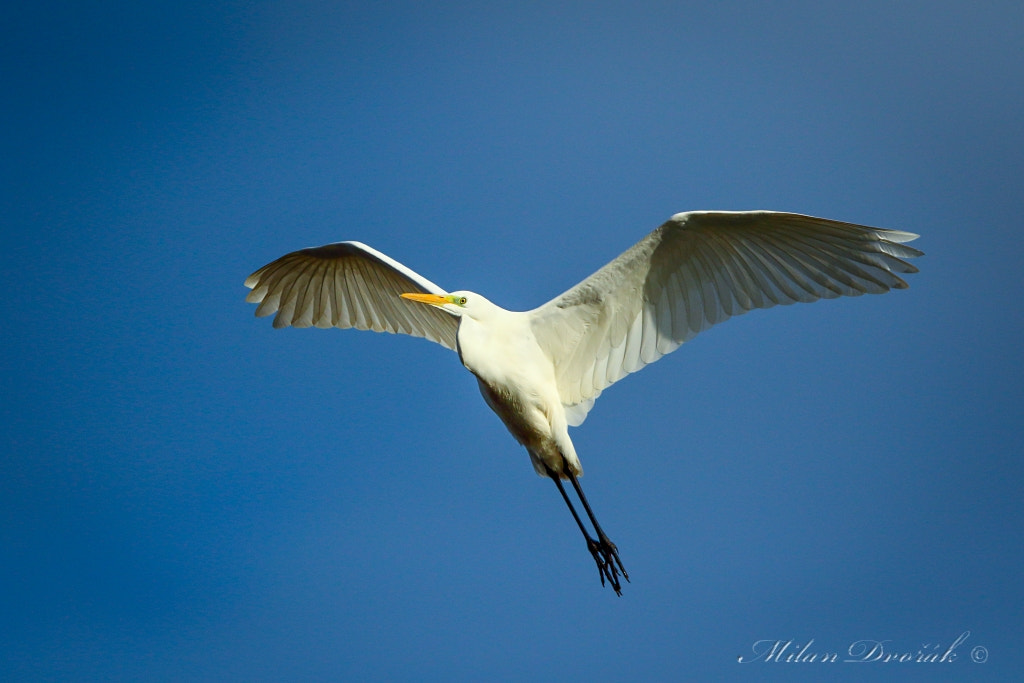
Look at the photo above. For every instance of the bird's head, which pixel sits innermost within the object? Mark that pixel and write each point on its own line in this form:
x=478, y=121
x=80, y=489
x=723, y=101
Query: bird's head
x=469, y=304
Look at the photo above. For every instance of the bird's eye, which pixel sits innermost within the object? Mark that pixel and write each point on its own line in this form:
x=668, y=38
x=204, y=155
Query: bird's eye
x=462, y=301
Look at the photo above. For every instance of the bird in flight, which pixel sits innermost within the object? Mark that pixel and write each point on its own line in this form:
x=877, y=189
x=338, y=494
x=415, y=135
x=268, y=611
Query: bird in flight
x=542, y=370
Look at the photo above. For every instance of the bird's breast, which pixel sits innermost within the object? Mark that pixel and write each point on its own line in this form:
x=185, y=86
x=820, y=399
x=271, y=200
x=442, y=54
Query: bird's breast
x=509, y=362
x=517, y=379
x=503, y=354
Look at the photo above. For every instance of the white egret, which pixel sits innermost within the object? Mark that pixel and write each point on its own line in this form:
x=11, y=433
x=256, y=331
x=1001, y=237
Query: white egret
x=542, y=370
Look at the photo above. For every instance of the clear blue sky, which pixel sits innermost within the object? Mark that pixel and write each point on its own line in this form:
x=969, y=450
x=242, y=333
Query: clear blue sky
x=186, y=493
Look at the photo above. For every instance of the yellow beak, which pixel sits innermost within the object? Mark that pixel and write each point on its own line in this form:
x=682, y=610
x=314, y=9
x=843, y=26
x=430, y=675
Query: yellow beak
x=432, y=299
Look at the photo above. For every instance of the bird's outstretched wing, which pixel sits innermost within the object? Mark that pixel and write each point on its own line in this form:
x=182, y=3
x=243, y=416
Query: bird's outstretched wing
x=697, y=270
x=348, y=284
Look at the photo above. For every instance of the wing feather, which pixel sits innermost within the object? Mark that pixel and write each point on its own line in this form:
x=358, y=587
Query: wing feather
x=348, y=284
x=700, y=269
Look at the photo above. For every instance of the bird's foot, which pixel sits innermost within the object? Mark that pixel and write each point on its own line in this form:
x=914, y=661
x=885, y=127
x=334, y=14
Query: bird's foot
x=609, y=566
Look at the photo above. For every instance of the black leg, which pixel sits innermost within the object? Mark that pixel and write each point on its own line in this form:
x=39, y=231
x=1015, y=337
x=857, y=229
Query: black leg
x=608, y=549
x=604, y=552
x=565, y=497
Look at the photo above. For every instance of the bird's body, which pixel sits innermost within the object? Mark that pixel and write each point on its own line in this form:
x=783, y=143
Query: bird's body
x=520, y=388
x=542, y=370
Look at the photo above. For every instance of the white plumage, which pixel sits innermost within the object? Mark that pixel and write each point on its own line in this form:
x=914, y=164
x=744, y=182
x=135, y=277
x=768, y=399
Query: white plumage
x=542, y=370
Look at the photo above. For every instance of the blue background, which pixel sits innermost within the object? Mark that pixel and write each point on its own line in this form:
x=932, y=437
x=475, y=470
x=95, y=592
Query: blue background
x=186, y=493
